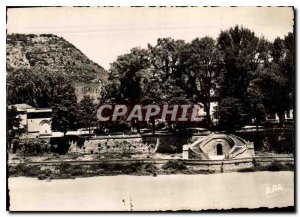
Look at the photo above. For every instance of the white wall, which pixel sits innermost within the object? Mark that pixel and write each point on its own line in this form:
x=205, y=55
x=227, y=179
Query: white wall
x=35, y=125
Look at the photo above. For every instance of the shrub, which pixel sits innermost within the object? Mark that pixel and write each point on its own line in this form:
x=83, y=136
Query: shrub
x=64, y=168
x=274, y=166
x=244, y=170
x=277, y=166
x=150, y=168
x=289, y=167
x=174, y=165
x=45, y=174
x=24, y=170
x=78, y=171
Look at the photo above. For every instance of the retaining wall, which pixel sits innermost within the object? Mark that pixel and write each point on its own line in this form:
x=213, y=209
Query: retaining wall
x=146, y=143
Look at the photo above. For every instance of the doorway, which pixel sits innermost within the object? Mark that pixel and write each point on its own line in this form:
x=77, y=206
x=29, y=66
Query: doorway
x=219, y=149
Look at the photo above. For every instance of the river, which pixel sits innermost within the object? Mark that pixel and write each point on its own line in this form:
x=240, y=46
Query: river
x=147, y=193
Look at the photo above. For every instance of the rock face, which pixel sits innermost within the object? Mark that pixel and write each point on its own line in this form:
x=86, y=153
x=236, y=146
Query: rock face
x=50, y=53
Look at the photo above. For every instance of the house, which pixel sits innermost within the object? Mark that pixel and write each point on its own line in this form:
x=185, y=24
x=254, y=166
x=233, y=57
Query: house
x=36, y=121
x=39, y=121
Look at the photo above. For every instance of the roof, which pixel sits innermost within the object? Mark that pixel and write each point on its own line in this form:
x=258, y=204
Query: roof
x=21, y=107
x=38, y=110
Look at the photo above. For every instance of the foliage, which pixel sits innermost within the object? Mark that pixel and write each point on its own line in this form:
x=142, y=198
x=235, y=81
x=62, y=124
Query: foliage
x=273, y=166
x=230, y=113
x=87, y=113
x=34, y=88
x=34, y=147
x=248, y=76
x=201, y=68
x=65, y=109
x=174, y=165
x=12, y=123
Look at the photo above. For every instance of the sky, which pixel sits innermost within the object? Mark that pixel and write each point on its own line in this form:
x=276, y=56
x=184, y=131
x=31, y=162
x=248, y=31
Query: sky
x=104, y=33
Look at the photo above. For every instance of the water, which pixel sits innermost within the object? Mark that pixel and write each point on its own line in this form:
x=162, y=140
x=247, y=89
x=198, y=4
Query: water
x=165, y=192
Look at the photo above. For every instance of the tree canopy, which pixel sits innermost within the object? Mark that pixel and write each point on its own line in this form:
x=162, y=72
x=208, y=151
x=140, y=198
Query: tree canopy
x=248, y=76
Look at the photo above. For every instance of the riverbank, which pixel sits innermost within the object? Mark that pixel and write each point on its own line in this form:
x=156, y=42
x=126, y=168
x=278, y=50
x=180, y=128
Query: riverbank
x=74, y=169
x=148, y=193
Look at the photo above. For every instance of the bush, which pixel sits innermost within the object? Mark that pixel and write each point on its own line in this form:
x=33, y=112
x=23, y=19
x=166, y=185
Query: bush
x=174, y=165
x=274, y=166
x=31, y=171
x=289, y=167
x=245, y=170
x=122, y=168
x=23, y=170
x=64, y=168
x=150, y=168
x=78, y=171
x=277, y=166
x=45, y=174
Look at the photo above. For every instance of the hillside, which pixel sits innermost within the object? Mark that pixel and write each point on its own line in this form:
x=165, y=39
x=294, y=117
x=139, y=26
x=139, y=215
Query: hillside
x=50, y=53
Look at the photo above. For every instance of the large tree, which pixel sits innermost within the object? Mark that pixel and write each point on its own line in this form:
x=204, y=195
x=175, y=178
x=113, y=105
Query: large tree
x=125, y=76
x=34, y=88
x=12, y=123
x=65, y=109
x=87, y=113
x=276, y=77
x=242, y=54
x=200, y=67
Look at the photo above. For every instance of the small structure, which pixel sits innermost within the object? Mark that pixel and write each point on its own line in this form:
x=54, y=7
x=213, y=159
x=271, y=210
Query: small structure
x=219, y=147
x=37, y=121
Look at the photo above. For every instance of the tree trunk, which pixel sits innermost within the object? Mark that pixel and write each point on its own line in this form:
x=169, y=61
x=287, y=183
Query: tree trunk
x=153, y=126
x=207, y=110
x=137, y=127
x=281, y=118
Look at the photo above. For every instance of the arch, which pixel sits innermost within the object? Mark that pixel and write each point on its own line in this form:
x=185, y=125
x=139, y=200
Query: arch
x=45, y=127
x=219, y=149
x=44, y=122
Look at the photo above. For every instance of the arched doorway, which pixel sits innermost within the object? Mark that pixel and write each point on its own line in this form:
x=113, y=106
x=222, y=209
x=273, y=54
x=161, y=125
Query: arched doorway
x=219, y=149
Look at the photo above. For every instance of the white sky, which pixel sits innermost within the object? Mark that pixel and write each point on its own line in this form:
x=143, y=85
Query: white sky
x=104, y=33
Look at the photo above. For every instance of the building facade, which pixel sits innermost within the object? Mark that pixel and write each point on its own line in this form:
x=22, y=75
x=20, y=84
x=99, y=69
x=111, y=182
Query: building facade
x=36, y=121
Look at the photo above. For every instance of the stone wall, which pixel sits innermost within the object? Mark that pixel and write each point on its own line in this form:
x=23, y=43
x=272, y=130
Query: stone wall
x=109, y=145
x=219, y=165
x=167, y=143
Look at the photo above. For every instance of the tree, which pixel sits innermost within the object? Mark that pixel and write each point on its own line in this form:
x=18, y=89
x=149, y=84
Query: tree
x=230, y=114
x=65, y=110
x=165, y=57
x=241, y=53
x=12, y=123
x=34, y=88
x=125, y=76
x=289, y=67
x=87, y=113
x=201, y=67
x=275, y=78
